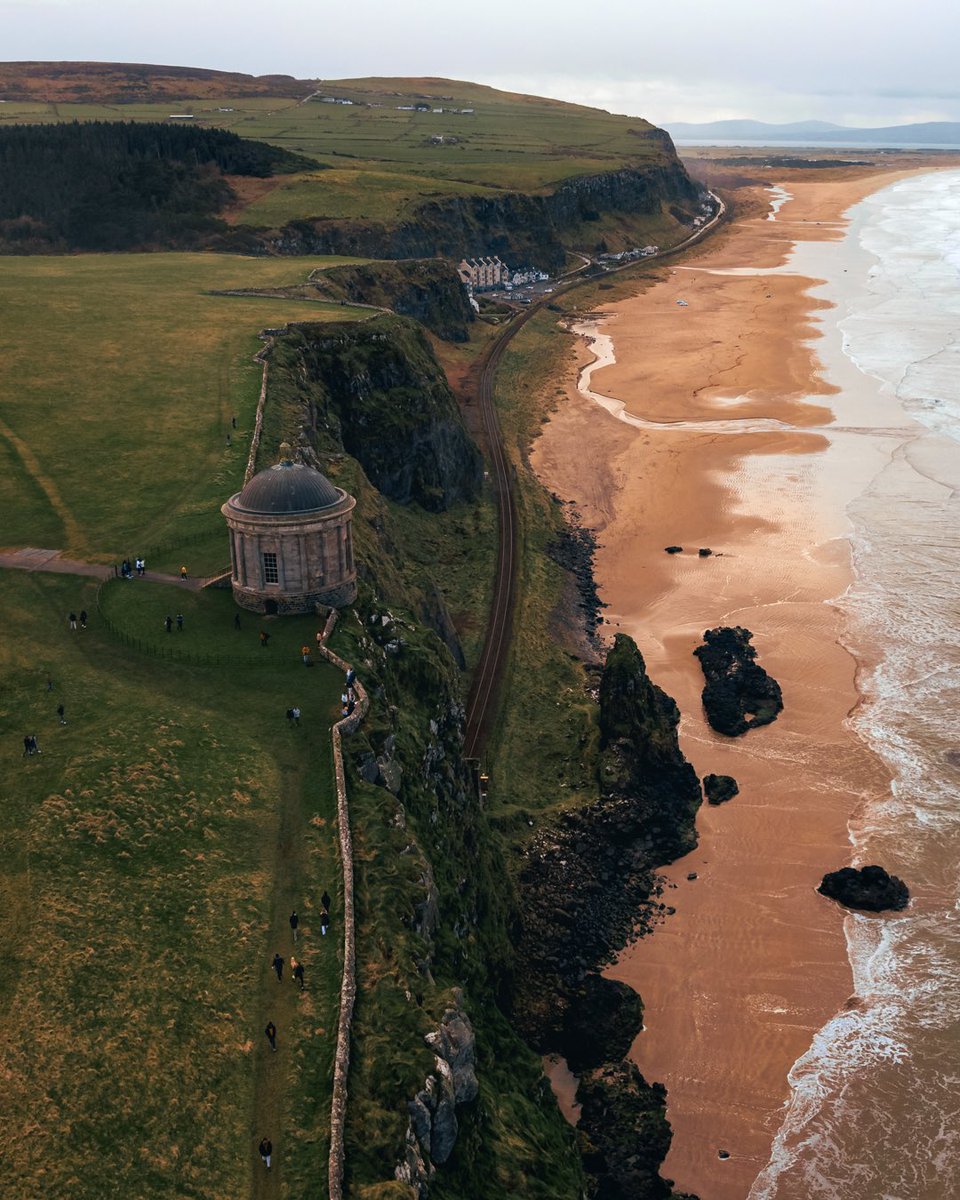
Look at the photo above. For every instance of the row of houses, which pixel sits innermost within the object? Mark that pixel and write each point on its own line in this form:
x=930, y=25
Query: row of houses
x=480, y=274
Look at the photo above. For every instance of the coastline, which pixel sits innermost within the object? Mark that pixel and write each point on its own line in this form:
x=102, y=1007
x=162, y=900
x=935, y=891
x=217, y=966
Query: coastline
x=727, y=980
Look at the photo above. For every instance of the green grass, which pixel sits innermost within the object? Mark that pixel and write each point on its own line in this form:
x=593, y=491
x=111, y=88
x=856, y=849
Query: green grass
x=121, y=375
x=509, y=142
x=149, y=857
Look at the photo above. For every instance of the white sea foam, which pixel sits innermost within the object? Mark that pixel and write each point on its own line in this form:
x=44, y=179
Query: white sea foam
x=874, y=1108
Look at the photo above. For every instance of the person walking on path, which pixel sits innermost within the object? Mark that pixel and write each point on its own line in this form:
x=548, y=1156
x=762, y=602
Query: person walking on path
x=278, y=967
x=60, y=714
x=298, y=972
x=168, y=623
x=266, y=1149
x=294, y=923
x=179, y=622
x=183, y=574
x=271, y=1032
x=296, y=714
x=325, y=901
x=324, y=923
x=73, y=620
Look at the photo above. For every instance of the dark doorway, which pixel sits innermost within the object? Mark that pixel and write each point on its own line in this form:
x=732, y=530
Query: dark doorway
x=270, y=607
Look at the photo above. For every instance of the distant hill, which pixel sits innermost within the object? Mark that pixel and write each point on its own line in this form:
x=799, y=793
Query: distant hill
x=127, y=83
x=938, y=132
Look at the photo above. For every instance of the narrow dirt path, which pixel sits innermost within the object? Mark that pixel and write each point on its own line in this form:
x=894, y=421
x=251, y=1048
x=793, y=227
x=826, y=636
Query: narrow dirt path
x=279, y=999
x=31, y=464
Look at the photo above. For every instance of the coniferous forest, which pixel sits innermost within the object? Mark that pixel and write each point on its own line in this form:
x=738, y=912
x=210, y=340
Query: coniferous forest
x=122, y=185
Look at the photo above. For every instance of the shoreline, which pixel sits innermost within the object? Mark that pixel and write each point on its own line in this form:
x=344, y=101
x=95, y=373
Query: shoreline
x=769, y=497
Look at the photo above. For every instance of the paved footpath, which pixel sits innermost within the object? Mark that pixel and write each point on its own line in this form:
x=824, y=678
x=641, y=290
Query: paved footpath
x=32, y=559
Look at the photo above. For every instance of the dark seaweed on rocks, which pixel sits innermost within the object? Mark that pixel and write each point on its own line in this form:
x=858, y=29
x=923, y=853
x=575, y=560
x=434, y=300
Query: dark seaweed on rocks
x=869, y=888
x=624, y=1134
x=573, y=549
x=739, y=694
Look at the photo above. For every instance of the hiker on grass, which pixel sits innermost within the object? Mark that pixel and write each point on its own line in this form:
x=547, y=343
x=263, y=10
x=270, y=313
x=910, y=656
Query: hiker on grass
x=325, y=901
x=168, y=623
x=179, y=622
x=277, y=965
x=266, y=1149
x=264, y=638
x=73, y=620
x=305, y=655
x=298, y=972
x=61, y=714
x=294, y=924
x=271, y=1032
x=324, y=923
x=183, y=574
x=296, y=714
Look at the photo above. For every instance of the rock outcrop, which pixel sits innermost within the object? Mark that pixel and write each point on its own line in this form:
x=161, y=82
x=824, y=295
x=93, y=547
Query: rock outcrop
x=719, y=788
x=739, y=694
x=429, y=291
x=433, y=1129
x=603, y=1017
x=869, y=888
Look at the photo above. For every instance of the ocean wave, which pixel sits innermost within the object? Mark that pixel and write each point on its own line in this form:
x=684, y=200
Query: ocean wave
x=874, y=1107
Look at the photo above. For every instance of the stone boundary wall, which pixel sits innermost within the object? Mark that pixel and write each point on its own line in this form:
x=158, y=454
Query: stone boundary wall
x=261, y=357
x=348, y=984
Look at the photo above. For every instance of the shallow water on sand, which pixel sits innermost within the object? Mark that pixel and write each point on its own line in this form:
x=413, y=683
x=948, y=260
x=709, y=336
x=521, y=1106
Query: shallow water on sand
x=875, y=1102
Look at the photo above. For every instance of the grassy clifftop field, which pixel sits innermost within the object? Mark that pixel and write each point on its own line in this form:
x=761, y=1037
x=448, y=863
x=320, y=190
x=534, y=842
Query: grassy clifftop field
x=380, y=156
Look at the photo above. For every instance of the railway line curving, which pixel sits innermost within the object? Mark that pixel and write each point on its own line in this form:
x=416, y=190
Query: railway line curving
x=484, y=693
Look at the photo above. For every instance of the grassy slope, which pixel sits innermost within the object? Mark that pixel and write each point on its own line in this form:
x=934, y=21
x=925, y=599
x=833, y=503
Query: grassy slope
x=121, y=376
x=142, y=855
x=510, y=141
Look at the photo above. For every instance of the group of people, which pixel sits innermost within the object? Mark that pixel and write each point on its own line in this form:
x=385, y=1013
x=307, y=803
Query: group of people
x=293, y=716
x=348, y=698
x=270, y=1030
x=72, y=619
x=139, y=565
x=168, y=623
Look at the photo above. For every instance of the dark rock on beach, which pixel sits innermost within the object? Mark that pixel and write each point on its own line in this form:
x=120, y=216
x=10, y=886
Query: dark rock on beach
x=673, y=549
x=719, y=788
x=704, y=551
x=869, y=888
x=739, y=694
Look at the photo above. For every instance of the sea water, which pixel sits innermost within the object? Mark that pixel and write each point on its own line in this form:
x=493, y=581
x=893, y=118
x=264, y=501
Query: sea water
x=874, y=1108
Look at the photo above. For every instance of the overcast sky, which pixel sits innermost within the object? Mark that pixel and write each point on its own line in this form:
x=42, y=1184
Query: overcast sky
x=886, y=62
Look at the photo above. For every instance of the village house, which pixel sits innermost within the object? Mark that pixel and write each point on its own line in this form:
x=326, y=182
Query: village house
x=482, y=273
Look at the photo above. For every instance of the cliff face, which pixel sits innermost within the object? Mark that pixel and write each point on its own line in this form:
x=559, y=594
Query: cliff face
x=521, y=229
x=376, y=388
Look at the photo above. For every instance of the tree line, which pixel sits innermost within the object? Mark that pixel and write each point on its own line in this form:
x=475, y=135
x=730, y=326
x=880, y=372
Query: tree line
x=121, y=185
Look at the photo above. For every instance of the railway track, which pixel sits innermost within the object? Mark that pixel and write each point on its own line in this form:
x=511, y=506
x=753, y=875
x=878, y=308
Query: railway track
x=484, y=691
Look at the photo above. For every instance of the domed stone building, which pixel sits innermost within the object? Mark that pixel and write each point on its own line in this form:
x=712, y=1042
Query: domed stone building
x=291, y=545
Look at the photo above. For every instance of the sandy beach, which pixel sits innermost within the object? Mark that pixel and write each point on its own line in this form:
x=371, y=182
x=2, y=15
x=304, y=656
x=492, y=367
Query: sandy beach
x=733, y=452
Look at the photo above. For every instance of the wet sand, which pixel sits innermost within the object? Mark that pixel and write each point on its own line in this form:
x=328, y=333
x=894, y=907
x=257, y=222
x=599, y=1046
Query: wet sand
x=753, y=961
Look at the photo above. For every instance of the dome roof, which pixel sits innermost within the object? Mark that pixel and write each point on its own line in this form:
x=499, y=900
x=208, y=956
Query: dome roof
x=288, y=487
